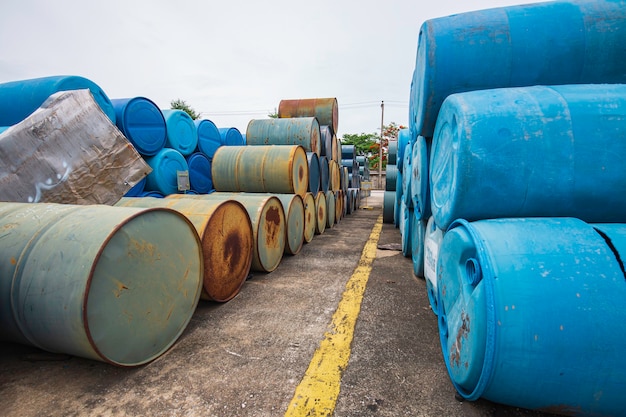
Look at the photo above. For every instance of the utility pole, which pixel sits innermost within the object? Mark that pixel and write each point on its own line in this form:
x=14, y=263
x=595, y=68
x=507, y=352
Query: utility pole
x=380, y=148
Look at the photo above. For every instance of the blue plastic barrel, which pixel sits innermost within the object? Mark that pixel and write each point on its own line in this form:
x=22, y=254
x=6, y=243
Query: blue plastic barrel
x=142, y=122
x=182, y=134
x=324, y=174
x=199, y=173
x=418, y=235
x=407, y=175
x=558, y=42
x=531, y=152
x=165, y=166
x=420, y=184
x=404, y=136
x=303, y=131
x=18, y=99
x=433, y=236
x=314, y=172
x=137, y=189
x=209, y=138
x=231, y=136
x=531, y=314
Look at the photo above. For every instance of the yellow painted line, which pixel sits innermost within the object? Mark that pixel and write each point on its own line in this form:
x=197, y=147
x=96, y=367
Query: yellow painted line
x=317, y=393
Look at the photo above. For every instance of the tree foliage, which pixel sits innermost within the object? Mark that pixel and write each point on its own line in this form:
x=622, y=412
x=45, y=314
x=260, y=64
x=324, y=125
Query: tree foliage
x=179, y=104
x=273, y=115
x=368, y=144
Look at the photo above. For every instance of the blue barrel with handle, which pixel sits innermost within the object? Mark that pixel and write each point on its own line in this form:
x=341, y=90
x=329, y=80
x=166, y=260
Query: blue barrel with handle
x=165, y=168
x=531, y=314
x=18, y=99
x=209, y=138
x=556, y=42
x=142, y=122
x=531, y=152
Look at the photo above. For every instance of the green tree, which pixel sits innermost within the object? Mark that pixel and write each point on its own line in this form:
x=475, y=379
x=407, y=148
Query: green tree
x=179, y=104
x=273, y=115
x=368, y=144
x=362, y=142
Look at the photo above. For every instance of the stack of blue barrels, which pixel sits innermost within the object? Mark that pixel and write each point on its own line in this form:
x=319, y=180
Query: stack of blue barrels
x=515, y=192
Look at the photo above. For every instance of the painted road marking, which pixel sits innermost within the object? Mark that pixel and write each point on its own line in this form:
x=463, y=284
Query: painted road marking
x=317, y=393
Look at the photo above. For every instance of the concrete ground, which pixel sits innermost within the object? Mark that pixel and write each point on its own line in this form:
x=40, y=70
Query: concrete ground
x=248, y=356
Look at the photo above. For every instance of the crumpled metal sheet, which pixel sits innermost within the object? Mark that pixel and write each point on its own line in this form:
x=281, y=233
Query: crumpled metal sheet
x=68, y=151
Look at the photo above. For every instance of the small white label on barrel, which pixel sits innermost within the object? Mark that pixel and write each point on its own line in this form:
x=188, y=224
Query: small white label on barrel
x=431, y=253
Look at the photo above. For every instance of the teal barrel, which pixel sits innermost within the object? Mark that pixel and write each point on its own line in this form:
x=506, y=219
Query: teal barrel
x=314, y=172
x=348, y=152
x=231, y=136
x=269, y=169
x=433, y=236
x=547, y=43
x=391, y=175
x=418, y=240
x=293, y=207
x=420, y=179
x=531, y=152
x=310, y=217
x=399, y=195
x=18, y=99
x=406, y=226
x=165, y=166
x=324, y=174
x=303, y=131
x=142, y=122
x=389, y=207
x=225, y=233
x=182, y=133
x=531, y=314
x=113, y=284
x=325, y=110
x=331, y=209
x=321, y=209
x=199, y=173
x=392, y=152
x=209, y=138
x=268, y=225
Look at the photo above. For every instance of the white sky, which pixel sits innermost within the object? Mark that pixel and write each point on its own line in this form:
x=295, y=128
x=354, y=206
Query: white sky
x=231, y=60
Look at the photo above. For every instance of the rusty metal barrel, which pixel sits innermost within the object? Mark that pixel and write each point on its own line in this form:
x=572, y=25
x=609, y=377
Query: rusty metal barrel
x=303, y=131
x=280, y=169
x=310, y=219
x=113, y=284
x=334, y=175
x=321, y=209
x=293, y=207
x=326, y=110
x=225, y=231
x=268, y=225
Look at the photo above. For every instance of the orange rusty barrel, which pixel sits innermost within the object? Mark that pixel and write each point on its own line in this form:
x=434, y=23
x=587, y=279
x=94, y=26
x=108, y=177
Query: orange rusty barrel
x=281, y=169
x=310, y=219
x=326, y=110
x=268, y=225
x=225, y=231
x=321, y=209
x=113, y=284
x=334, y=173
x=338, y=206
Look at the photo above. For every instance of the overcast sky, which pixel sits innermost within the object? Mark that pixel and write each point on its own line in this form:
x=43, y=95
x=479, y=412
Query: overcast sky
x=230, y=60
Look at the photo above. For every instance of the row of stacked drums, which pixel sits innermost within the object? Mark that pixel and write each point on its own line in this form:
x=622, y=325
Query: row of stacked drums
x=509, y=204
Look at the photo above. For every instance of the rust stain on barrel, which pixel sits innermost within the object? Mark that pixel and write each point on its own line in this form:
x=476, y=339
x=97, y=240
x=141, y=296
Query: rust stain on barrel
x=272, y=218
x=301, y=173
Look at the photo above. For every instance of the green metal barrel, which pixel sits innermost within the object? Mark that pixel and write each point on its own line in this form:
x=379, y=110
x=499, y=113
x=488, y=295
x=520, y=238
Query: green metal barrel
x=281, y=169
x=310, y=219
x=320, y=209
x=330, y=209
x=293, y=206
x=225, y=231
x=303, y=131
x=326, y=110
x=113, y=284
x=268, y=225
